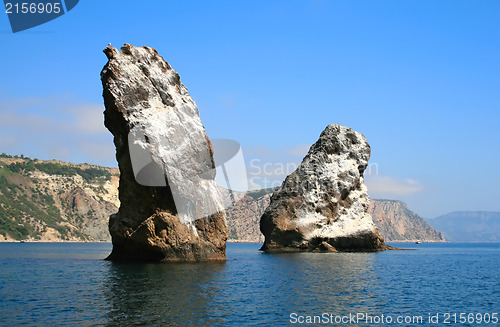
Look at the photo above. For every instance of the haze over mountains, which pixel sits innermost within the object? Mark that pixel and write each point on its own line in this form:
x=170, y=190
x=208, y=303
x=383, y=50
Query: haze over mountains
x=55, y=200
x=469, y=226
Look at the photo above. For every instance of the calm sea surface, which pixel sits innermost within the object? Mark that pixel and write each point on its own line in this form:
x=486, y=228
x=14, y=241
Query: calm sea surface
x=70, y=284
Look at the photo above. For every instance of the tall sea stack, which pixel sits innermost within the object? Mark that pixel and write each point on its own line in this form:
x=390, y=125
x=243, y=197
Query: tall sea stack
x=323, y=204
x=170, y=207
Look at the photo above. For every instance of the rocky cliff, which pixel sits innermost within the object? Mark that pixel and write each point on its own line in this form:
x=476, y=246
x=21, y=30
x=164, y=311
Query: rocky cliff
x=243, y=217
x=51, y=201
x=170, y=207
x=323, y=204
x=55, y=200
x=398, y=223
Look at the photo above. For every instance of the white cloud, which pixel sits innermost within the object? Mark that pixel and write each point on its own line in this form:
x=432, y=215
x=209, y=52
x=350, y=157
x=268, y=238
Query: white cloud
x=25, y=121
x=89, y=118
x=86, y=118
x=103, y=151
x=58, y=152
x=268, y=167
x=382, y=186
x=55, y=128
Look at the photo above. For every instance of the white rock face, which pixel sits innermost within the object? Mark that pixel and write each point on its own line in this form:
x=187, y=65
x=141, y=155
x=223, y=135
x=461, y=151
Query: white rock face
x=166, y=133
x=170, y=203
x=324, y=199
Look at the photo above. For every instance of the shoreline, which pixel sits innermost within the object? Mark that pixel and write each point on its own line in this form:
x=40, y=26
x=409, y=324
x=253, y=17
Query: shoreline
x=228, y=241
x=243, y=241
x=53, y=241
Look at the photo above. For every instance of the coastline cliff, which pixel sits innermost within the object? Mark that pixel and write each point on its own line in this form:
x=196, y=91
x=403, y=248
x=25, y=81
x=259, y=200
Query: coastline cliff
x=397, y=223
x=54, y=203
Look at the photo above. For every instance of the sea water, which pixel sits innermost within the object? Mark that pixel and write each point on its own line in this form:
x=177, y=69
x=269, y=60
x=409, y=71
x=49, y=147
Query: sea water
x=69, y=284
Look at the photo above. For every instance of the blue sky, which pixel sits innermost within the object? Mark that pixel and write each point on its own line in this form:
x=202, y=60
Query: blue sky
x=420, y=79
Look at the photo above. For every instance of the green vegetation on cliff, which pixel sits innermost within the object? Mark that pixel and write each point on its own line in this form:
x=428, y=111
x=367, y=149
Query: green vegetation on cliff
x=19, y=203
x=7, y=210
x=88, y=174
x=49, y=201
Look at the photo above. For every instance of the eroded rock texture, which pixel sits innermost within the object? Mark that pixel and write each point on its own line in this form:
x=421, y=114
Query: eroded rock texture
x=323, y=204
x=174, y=212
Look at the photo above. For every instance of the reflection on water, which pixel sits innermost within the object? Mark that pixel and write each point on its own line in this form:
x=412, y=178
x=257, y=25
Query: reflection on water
x=153, y=293
x=337, y=283
x=251, y=287
x=70, y=285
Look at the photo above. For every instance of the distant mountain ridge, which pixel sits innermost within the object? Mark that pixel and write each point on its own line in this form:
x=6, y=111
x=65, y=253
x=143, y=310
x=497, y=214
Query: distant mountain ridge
x=469, y=226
